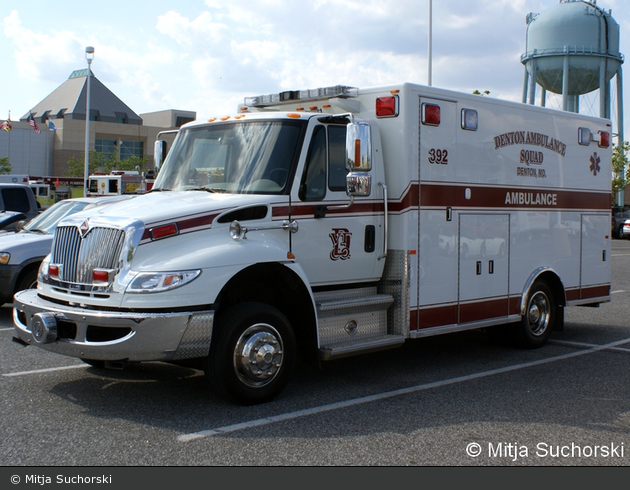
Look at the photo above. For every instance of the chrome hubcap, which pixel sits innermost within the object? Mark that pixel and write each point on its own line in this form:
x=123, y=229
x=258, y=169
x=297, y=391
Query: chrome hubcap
x=539, y=312
x=258, y=355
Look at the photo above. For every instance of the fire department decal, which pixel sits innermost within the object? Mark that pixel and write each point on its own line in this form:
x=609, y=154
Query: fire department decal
x=341, y=243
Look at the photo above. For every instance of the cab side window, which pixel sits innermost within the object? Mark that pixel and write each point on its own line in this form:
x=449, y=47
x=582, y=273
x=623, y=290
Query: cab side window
x=337, y=158
x=313, y=185
x=325, y=163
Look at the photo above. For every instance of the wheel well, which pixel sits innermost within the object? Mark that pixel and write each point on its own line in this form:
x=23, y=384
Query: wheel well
x=279, y=286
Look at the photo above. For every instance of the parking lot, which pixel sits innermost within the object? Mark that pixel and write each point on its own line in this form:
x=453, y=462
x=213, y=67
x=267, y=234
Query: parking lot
x=456, y=400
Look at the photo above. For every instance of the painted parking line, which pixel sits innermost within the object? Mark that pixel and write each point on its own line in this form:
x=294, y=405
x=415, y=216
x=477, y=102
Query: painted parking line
x=48, y=370
x=388, y=394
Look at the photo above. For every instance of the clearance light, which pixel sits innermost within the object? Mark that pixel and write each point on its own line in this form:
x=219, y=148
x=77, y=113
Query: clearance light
x=431, y=114
x=157, y=282
x=604, y=139
x=164, y=231
x=387, y=106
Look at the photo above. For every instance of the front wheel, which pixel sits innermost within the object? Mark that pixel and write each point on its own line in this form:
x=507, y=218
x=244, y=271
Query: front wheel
x=252, y=355
x=540, y=313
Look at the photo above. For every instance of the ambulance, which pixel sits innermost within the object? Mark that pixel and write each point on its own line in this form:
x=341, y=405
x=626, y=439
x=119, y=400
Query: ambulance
x=117, y=183
x=330, y=222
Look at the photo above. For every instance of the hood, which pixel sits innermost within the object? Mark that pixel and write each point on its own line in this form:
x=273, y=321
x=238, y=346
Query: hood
x=160, y=207
x=23, y=240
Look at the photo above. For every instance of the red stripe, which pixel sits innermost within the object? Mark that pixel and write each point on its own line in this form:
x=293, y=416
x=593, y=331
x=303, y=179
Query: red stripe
x=435, y=195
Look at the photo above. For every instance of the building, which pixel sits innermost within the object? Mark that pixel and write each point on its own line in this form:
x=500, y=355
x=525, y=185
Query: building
x=60, y=120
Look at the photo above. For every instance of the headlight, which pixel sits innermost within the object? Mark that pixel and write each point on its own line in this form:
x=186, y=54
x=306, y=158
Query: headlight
x=4, y=258
x=157, y=282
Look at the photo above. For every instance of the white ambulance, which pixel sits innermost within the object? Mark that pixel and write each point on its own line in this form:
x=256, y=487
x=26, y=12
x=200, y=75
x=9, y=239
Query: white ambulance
x=331, y=222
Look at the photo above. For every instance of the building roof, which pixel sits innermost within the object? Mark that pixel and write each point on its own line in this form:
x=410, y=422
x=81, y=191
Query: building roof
x=69, y=100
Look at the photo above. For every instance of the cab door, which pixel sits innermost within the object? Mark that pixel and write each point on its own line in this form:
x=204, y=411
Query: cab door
x=336, y=242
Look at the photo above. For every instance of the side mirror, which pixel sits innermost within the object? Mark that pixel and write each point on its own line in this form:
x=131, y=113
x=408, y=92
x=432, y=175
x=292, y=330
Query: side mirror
x=159, y=153
x=358, y=159
x=358, y=147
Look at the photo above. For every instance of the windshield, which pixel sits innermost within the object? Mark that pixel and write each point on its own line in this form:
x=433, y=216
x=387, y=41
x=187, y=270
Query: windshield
x=46, y=222
x=253, y=157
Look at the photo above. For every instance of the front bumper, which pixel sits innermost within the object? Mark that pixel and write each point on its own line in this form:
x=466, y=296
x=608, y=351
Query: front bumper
x=111, y=335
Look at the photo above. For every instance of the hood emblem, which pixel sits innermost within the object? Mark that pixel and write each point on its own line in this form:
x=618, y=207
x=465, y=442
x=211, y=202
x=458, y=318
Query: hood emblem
x=84, y=228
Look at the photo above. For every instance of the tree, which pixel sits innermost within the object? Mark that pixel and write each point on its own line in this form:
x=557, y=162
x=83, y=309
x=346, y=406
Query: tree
x=5, y=166
x=100, y=162
x=620, y=168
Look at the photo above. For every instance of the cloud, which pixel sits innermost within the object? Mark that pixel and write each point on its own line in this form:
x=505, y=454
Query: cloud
x=34, y=51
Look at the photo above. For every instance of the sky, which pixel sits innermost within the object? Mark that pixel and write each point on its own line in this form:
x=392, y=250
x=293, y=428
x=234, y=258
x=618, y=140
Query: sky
x=207, y=55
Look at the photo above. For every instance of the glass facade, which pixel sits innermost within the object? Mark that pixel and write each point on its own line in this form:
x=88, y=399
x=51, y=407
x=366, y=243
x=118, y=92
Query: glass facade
x=127, y=148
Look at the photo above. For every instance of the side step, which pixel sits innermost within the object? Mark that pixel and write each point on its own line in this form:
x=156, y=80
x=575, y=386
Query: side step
x=353, y=321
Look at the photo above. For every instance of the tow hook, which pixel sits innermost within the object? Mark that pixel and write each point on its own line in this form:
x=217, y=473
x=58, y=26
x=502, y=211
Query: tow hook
x=44, y=327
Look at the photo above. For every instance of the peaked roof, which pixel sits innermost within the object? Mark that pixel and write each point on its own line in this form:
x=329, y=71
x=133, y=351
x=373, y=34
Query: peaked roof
x=69, y=100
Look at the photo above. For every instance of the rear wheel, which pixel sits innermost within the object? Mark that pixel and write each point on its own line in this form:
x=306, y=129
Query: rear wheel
x=536, y=325
x=252, y=355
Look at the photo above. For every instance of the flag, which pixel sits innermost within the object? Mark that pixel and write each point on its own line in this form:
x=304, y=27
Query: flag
x=33, y=123
x=6, y=125
x=51, y=125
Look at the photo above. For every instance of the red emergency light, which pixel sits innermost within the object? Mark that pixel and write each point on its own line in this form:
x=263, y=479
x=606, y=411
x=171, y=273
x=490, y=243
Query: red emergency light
x=431, y=114
x=387, y=106
x=604, y=139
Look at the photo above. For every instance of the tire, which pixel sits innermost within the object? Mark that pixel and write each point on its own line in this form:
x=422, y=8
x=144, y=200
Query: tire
x=27, y=281
x=535, y=327
x=252, y=355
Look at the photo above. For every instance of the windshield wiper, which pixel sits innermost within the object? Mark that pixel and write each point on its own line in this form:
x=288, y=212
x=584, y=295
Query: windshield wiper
x=207, y=189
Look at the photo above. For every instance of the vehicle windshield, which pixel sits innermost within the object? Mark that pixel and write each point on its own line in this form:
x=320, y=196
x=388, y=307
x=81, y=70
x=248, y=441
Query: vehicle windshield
x=46, y=222
x=253, y=157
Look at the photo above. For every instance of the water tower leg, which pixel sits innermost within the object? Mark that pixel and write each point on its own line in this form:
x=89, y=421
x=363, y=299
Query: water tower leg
x=604, y=98
x=525, y=84
x=565, y=83
x=532, y=84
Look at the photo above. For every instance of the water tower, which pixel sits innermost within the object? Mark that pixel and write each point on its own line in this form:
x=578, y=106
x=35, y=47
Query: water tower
x=573, y=49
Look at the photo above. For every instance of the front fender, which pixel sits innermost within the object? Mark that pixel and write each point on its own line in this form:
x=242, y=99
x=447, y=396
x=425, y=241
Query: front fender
x=214, y=253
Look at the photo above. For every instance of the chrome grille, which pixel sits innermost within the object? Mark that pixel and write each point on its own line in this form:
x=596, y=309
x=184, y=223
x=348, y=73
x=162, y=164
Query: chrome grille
x=99, y=248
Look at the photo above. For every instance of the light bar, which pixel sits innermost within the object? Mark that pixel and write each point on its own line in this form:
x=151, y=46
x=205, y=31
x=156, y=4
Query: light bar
x=302, y=95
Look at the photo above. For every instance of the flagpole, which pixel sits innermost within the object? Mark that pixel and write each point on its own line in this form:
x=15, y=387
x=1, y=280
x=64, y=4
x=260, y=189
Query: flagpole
x=430, y=45
x=89, y=56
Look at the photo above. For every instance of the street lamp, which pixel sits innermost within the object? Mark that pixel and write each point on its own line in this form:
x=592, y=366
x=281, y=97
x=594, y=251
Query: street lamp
x=89, y=56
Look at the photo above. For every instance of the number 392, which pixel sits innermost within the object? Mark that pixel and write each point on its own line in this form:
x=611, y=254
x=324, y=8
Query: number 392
x=439, y=157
